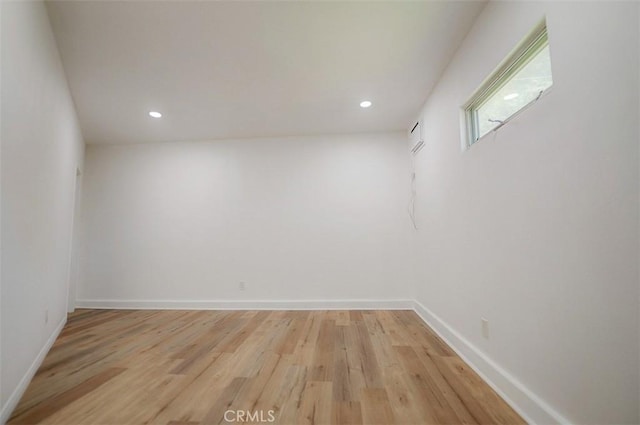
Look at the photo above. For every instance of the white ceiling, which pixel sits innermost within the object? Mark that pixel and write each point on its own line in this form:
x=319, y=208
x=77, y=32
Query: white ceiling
x=251, y=69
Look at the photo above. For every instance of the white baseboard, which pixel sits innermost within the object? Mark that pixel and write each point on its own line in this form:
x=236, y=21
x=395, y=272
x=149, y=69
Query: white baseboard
x=248, y=305
x=15, y=397
x=532, y=408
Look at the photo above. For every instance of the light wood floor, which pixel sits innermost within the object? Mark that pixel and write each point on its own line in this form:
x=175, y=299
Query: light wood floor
x=307, y=367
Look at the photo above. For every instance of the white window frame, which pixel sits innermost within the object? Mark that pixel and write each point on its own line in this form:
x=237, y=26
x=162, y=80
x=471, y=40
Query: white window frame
x=526, y=50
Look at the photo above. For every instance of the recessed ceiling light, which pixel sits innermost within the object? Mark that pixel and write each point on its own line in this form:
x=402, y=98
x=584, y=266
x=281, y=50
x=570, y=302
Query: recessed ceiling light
x=511, y=96
x=155, y=114
x=365, y=104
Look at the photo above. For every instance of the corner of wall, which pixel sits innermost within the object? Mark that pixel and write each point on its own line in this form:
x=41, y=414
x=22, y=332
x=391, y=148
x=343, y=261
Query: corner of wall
x=532, y=408
x=14, y=398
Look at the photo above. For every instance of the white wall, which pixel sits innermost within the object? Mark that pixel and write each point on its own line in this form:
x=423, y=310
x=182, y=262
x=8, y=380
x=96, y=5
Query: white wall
x=309, y=218
x=536, y=226
x=41, y=148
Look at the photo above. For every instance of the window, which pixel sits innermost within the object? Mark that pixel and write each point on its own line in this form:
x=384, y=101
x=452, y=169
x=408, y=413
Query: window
x=522, y=78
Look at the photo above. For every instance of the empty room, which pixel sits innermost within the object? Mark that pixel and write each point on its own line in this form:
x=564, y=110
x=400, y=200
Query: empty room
x=319, y=212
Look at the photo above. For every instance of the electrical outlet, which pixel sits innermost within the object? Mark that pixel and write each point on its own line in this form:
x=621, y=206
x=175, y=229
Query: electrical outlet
x=242, y=286
x=46, y=316
x=485, y=328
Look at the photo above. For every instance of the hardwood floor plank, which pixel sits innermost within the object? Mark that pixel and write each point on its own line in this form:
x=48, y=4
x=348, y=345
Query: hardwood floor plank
x=480, y=400
x=322, y=367
x=376, y=408
x=302, y=367
x=231, y=345
x=284, y=395
x=210, y=341
x=405, y=401
x=316, y=402
x=394, y=331
x=381, y=344
x=347, y=413
x=193, y=400
x=423, y=335
x=368, y=360
x=427, y=389
x=216, y=413
x=347, y=381
x=306, y=346
x=355, y=315
x=449, y=394
x=343, y=318
x=50, y=406
x=273, y=367
x=294, y=331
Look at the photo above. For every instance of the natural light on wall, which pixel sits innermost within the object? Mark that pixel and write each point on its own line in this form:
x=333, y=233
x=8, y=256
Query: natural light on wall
x=520, y=81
